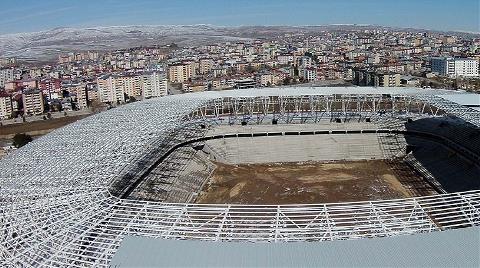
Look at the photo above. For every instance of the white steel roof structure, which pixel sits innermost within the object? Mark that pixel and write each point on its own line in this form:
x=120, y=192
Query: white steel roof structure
x=56, y=208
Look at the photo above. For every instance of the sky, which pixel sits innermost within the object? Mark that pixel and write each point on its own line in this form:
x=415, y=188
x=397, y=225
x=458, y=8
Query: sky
x=36, y=15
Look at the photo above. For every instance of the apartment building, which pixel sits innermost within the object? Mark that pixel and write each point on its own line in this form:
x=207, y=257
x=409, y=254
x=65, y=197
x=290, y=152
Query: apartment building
x=267, y=80
x=309, y=74
x=33, y=102
x=387, y=80
x=6, y=109
x=17, y=85
x=180, y=72
x=375, y=79
x=154, y=84
x=80, y=91
x=285, y=59
x=110, y=89
x=132, y=84
x=114, y=88
x=51, y=88
x=453, y=67
x=466, y=67
x=6, y=75
x=205, y=65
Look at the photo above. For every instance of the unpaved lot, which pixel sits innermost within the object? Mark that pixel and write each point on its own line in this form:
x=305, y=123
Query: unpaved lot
x=37, y=127
x=311, y=182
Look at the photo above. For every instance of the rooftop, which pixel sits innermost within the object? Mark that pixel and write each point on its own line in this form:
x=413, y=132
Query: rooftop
x=452, y=248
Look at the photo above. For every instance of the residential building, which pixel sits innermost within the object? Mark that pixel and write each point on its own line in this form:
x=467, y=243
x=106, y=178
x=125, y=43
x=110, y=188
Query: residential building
x=132, y=84
x=17, y=85
x=80, y=92
x=387, y=80
x=453, y=67
x=205, y=66
x=6, y=75
x=267, y=80
x=6, y=109
x=154, y=85
x=180, y=72
x=309, y=74
x=51, y=88
x=466, y=67
x=110, y=89
x=244, y=83
x=375, y=79
x=114, y=88
x=33, y=102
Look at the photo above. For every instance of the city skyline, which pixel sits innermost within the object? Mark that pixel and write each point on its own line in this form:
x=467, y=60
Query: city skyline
x=37, y=16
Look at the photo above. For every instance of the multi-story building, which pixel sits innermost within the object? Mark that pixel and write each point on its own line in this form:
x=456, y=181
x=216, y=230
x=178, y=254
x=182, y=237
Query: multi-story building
x=110, y=89
x=218, y=72
x=6, y=109
x=6, y=75
x=244, y=83
x=114, y=88
x=51, y=88
x=205, y=65
x=266, y=80
x=92, y=95
x=309, y=74
x=375, y=79
x=466, y=67
x=17, y=85
x=32, y=102
x=132, y=84
x=443, y=66
x=180, y=72
x=363, y=77
x=387, y=80
x=80, y=91
x=154, y=85
x=285, y=59
x=453, y=67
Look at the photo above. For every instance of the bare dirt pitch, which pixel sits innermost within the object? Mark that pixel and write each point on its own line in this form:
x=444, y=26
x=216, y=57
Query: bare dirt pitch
x=311, y=182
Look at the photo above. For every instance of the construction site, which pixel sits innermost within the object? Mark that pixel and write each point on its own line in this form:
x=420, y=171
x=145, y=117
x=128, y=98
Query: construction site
x=325, y=162
x=260, y=157
x=256, y=165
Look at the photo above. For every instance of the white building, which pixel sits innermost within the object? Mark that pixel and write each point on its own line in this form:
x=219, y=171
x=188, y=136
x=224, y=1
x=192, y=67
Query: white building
x=452, y=67
x=154, y=85
x=309, y=74
x=6, y=75
x=6, y=109
x=266, y=80
x=285, y=59
x=113, y=88
x=466, y=67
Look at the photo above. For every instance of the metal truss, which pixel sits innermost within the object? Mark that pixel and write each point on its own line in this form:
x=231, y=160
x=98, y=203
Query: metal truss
x=60, y=195
x=466, y=113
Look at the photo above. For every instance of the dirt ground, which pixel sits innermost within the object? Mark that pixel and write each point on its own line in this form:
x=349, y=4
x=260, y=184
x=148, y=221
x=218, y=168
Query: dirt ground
x=38, y=127
x=312, y=182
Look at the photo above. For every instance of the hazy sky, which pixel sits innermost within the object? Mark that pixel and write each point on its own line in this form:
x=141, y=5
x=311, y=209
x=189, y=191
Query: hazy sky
x=35, y=15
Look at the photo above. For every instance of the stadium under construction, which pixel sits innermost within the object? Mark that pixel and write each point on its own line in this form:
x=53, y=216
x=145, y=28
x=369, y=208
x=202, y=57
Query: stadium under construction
x=274, y=165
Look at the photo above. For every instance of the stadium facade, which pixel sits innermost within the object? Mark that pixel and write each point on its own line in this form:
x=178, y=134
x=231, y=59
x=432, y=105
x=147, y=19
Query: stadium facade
x=64, y=197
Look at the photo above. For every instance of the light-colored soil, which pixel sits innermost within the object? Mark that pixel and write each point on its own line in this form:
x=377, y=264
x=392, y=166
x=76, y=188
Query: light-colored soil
x=311, y=182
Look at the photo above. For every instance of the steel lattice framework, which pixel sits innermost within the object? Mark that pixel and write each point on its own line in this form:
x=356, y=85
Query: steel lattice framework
x=57, y=207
